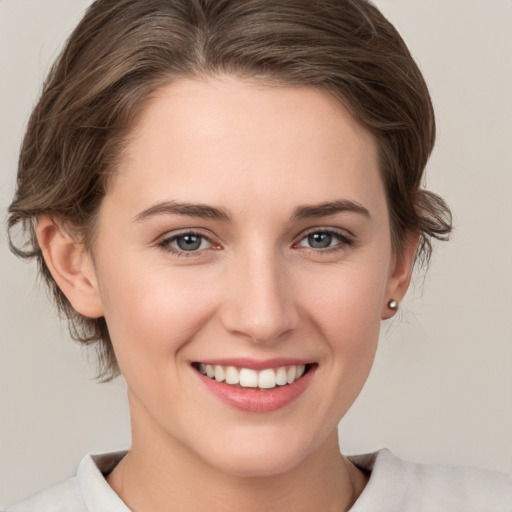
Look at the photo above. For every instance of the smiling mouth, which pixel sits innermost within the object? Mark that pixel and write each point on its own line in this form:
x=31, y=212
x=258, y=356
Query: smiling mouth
x=268, y=378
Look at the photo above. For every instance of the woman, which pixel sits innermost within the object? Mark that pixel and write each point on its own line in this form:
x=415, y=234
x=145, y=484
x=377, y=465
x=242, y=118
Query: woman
x=225, y=198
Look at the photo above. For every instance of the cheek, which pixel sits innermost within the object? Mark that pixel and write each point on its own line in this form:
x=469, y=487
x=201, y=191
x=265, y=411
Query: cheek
x=349, y=299
x=152, y=312
x=345, y=307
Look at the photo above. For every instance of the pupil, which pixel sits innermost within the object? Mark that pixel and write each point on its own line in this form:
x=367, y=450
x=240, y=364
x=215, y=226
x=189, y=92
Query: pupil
x=320, y=240
x=189, y=242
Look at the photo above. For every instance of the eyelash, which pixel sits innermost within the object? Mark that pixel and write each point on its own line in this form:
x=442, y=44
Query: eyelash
x=343, y=242
x=166, y=244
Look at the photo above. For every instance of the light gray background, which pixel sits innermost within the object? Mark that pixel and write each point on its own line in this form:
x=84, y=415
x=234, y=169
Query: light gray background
x=441, y=387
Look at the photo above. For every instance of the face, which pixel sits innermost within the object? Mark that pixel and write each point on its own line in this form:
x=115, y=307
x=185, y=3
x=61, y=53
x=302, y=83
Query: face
x=246, y=235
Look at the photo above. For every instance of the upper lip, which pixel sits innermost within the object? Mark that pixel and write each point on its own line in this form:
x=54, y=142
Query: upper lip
x=256, y=364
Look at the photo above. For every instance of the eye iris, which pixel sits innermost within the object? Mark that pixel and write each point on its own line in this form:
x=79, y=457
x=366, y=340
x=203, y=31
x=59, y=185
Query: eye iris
x=320, y=240
x=189, y=242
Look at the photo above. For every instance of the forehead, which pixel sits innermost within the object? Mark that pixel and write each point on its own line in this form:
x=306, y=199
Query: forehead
x=223, y=139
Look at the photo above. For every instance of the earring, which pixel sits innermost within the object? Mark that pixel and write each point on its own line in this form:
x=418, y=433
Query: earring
x=393, y=304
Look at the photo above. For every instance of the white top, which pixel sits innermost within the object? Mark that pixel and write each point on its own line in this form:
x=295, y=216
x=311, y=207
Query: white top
x=394, y=486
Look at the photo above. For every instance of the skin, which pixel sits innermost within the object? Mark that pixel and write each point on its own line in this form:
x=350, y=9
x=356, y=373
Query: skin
x=255, y=288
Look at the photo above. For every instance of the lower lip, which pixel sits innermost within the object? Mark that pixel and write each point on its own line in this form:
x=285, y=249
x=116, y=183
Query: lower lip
x=256, y=400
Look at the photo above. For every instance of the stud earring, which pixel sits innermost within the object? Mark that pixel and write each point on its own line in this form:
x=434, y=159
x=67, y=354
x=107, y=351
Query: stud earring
x=393, y=304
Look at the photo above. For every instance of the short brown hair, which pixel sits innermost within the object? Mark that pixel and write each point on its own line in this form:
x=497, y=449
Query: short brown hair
x=123, y=50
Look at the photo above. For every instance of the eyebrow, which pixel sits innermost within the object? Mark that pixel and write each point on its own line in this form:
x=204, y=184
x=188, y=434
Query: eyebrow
x=329, y=208
x=204, y=211
x=198, y=210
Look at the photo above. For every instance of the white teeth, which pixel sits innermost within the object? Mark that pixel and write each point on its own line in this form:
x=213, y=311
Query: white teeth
x=248, y=378
x=219, y=373
x=232, y=375
x=291, y=374
x=281, y=376
x=267, y=379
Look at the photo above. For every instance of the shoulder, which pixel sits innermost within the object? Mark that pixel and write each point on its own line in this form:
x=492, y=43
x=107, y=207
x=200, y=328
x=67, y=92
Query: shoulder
x=399, y=485
x=62, y=497
x=88, y=491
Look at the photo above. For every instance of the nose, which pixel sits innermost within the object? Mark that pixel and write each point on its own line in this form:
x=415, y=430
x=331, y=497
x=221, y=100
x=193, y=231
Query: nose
x=259, y=303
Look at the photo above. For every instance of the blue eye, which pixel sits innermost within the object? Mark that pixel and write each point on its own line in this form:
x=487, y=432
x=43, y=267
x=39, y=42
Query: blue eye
x=324, y=240
x=186, y=243
x=320, y=240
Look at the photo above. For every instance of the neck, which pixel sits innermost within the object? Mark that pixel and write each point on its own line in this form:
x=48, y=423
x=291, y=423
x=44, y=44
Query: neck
x=159, y=474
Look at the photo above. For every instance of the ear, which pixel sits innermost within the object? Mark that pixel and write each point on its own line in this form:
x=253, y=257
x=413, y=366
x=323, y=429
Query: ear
x=400, y=274
x=71, y=266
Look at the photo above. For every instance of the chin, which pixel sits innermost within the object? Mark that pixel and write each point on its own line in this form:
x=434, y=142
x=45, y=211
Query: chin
x=259, y=456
